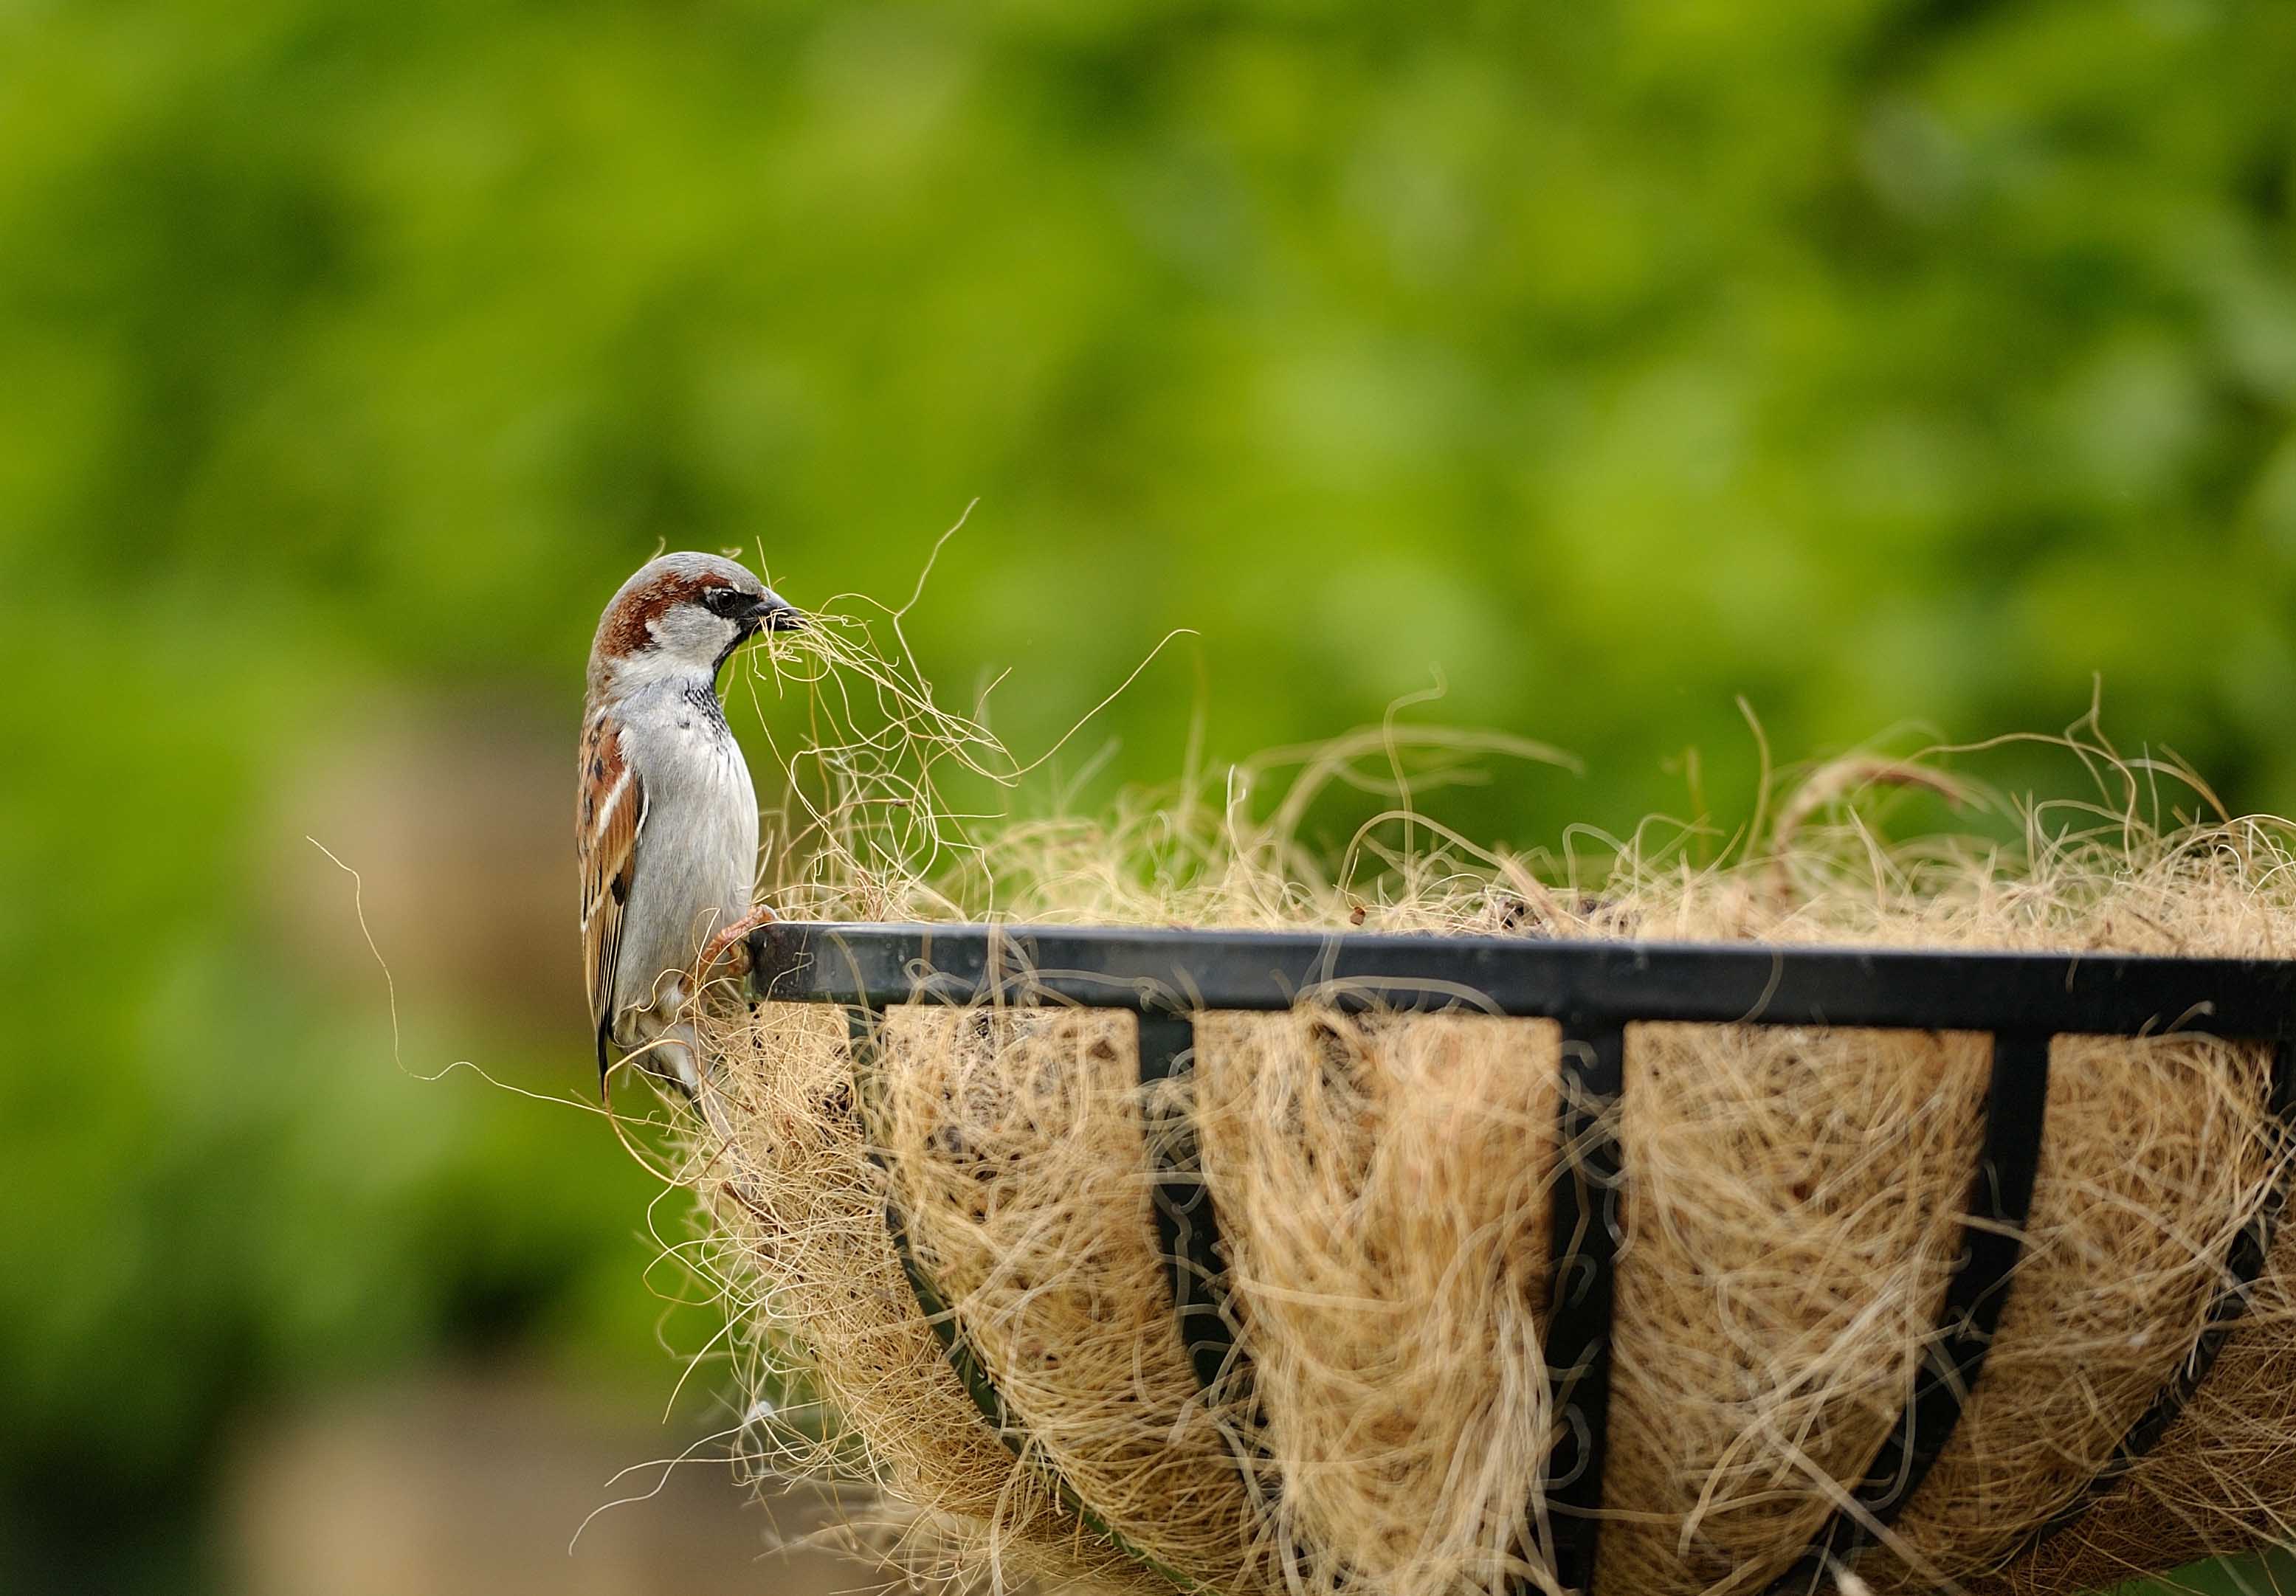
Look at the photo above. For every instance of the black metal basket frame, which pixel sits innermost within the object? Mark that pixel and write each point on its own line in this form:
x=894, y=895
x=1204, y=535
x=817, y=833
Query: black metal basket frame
x=1593, y=990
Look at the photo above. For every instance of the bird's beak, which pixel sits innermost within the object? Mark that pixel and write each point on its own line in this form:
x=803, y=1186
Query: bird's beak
x=772, y=613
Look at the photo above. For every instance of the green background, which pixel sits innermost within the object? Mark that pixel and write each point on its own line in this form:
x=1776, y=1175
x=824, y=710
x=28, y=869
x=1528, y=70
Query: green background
x=1885, y=363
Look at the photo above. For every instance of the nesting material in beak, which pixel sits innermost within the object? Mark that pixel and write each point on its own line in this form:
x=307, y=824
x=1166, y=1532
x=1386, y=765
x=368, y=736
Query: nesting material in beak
x=773, y=613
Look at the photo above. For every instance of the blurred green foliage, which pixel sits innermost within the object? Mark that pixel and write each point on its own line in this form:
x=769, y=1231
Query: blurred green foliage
x=1884, y=361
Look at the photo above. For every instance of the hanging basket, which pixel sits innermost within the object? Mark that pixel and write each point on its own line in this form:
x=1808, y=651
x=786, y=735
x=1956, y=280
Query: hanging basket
x=1243, y=1262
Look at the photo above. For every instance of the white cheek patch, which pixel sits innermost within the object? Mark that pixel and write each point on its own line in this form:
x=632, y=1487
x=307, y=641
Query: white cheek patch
x=672, y=658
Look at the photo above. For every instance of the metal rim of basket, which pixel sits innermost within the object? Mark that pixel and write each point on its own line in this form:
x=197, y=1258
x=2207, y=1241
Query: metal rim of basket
x=1593, y=990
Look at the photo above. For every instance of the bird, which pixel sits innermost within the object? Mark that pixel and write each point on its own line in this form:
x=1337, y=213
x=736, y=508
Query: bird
x=666, y=816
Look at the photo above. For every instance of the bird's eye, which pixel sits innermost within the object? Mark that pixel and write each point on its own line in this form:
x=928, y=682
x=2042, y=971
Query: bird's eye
x=722, y=601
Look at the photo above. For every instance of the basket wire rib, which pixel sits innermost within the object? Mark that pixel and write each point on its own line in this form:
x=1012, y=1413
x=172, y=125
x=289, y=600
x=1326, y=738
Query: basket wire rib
x=1595, y=990
x=956, y=1347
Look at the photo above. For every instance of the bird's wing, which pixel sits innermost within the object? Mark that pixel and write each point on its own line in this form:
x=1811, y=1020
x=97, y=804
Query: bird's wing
x=609, y=815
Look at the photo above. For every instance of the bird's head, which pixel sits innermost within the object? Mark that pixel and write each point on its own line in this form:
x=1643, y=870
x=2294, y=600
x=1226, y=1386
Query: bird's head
x=683, y=616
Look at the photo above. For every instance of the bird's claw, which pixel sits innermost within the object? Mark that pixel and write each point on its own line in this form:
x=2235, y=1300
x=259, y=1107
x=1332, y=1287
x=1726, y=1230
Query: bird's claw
x=732, y=945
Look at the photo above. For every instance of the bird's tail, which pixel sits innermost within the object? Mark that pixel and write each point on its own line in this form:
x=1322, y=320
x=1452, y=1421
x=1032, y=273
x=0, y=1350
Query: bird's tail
x=674, y=1054
x=678, y=1057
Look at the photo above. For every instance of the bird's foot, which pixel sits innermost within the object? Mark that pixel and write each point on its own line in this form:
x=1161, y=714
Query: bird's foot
x=731, y=946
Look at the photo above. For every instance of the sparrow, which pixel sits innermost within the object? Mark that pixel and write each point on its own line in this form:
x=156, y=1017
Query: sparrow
x=665, y=816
